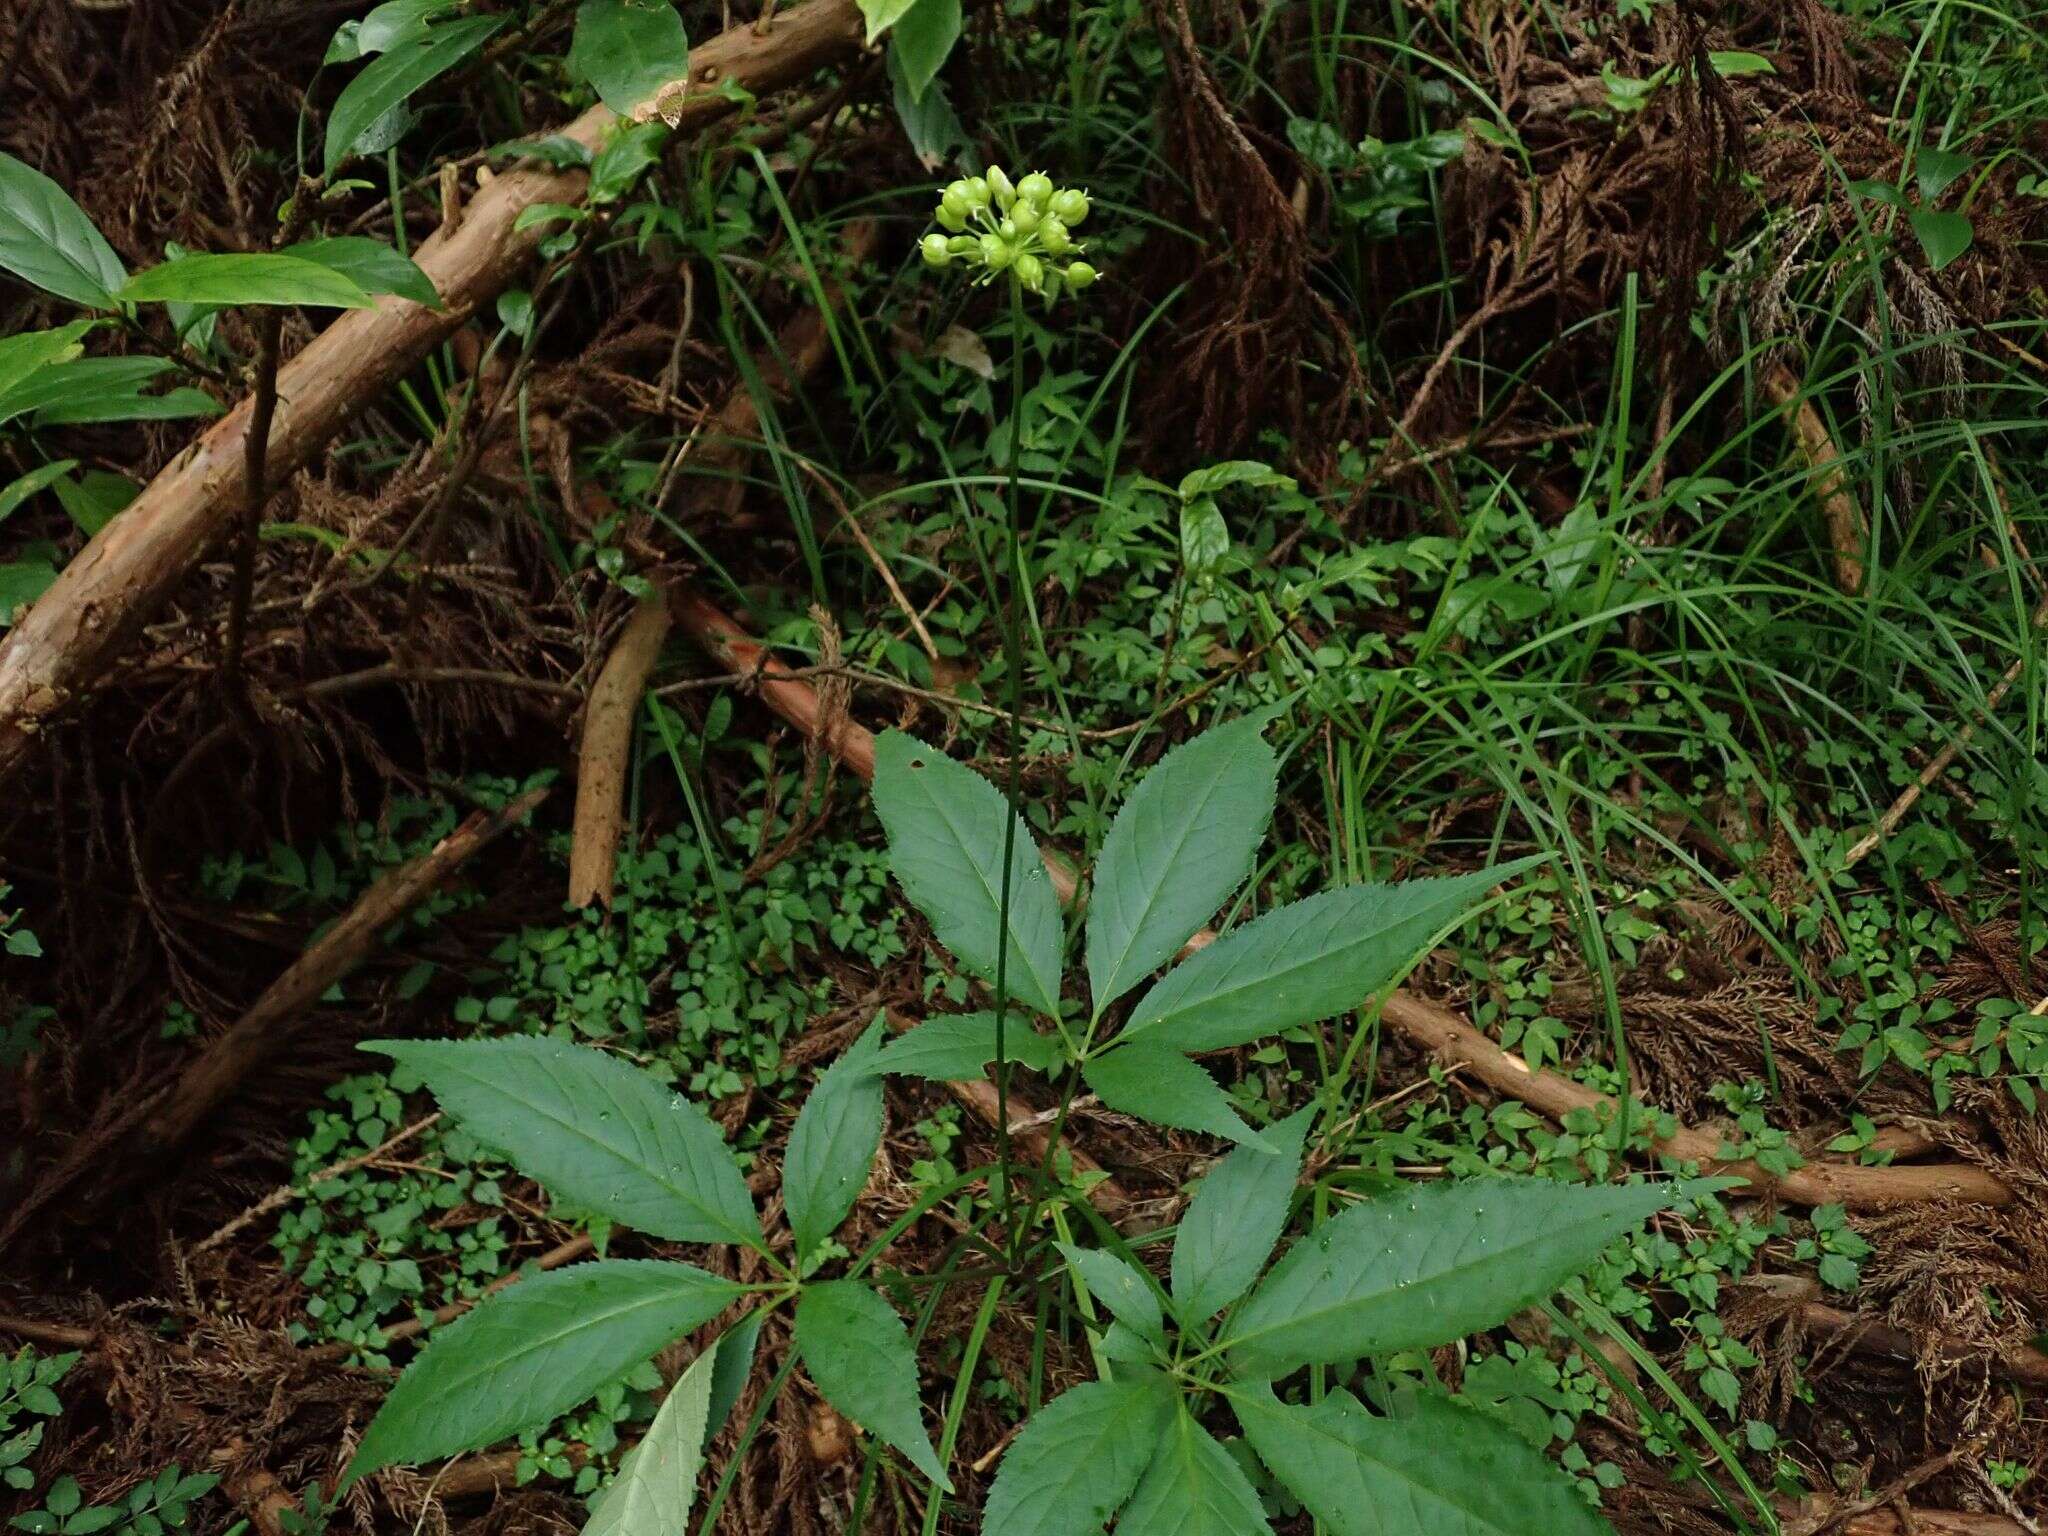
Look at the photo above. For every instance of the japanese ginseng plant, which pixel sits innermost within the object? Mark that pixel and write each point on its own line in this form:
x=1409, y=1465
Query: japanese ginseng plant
x=1282, y=1349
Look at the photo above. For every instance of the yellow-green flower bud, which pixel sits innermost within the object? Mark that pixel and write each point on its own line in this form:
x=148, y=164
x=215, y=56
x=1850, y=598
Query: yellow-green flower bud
x=1052, y=234
x=951, y=219
x=964, y=245
x=976, y=192
x=1079, y=274
x=1000, y=189
x=1030, y=271
x=996, y=252
x=1071, y=205
x=1024, y=216
x=1036, y=189
x=935, y=251
x=955, y=205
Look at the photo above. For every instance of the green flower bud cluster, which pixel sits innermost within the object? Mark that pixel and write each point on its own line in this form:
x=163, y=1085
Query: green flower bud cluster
x=1024, y=228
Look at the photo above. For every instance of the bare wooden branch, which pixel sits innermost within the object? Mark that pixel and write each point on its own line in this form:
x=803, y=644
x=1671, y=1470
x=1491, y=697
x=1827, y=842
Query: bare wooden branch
x=603, y=764
x=1848, y=534
x=59, y=648
x=1818, y=1183
x=270, y=1022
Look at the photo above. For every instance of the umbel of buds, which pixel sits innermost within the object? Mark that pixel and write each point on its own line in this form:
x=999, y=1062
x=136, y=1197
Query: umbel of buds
x=1023, y=228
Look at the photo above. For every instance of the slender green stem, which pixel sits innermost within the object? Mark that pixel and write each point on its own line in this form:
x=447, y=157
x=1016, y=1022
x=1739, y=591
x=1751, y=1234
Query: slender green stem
x=1013, y=665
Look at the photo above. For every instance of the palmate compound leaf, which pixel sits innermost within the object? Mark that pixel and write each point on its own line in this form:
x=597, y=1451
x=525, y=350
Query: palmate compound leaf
x=532, y=1352
x=946, y=827
x=1426, y=1265
x=1436, y=1469
x=1193, y=1488
x=1303, y=962
x=957, y=1046
x=859, y=1355
x=833, y=1144
x=1234, y=1220
x=1183, y=841
x=606, y=1137
x=1078, y=1459
x=657, y=1481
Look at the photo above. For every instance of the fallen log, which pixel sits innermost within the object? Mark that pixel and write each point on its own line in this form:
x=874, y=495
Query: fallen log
x=57, y=651
x=1433, y=1027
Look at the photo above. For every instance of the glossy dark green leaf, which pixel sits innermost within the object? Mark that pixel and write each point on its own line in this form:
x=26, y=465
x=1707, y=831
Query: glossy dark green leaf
x=1182, y=842
x=386, y=81
x=628, y=50
x=1438, y=1469
x=946, y=827
x=47, y=241
x=395, y=22
x=1936, y=170
x=627, y=153
x=29, y=352
x=17, y=492
x=1426, y=1265
x=1193, y=1488
x=922, y=41
x=261, y=277
x=832, y=1146
x=1078, y=1459
x=1248, y=473
x=1204, y=538
x=606, y=1137
x=881, y=15
x=372, y=265
x=858, y=1353
x=532, y=1352
x=1304, y=962
x=93, y=499
x=96, y=389
x=1161, y=1085
x=657, y=1481
x=515, y=311
x=1235, y=1219
x=1942, y=236
x=957, y=1046
x=21, y=582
